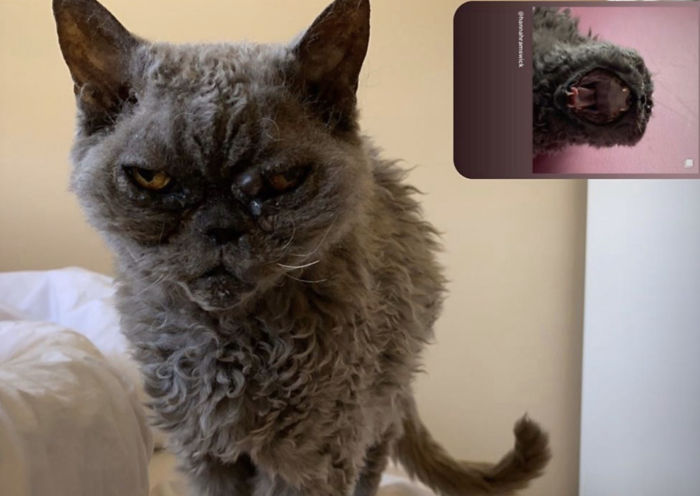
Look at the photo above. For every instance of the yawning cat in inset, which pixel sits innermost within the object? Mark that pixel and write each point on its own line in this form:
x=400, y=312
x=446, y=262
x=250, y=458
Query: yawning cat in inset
x=277, y=279
x=585, y=90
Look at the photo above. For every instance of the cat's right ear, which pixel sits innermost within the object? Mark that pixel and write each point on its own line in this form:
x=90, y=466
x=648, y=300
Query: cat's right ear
x=98, y=51
x=330, y=56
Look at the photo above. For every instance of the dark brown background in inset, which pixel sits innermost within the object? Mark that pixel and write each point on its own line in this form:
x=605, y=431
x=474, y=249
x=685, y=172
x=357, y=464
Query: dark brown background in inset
x=493, y=97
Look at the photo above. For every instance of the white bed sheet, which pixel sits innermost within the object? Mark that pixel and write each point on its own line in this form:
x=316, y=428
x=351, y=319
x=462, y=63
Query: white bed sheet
x=70, y=407
x=69, y=424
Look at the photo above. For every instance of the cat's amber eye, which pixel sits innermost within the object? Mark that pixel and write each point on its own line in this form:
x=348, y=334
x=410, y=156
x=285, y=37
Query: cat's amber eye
x=288, y=180
x=149, y=179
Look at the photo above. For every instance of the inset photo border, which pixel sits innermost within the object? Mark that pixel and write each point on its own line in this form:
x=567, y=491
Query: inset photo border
x=577, y=89
x=615, y=90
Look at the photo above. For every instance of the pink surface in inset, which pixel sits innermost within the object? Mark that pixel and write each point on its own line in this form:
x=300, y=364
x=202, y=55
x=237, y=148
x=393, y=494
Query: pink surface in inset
x=667, y=39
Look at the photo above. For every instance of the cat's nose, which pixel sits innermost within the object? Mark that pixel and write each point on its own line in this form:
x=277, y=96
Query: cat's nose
x=223, y=235
x=220, y=222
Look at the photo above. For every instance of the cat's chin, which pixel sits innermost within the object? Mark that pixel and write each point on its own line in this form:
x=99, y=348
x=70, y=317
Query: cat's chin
x=218, y=290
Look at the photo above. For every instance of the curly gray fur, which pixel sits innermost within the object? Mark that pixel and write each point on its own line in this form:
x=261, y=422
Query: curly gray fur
x=278, y=335
x=561, y=55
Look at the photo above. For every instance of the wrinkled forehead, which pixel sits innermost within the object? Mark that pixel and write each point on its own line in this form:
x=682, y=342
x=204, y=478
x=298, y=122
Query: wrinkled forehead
x=205, y=80
x=198, y=68
x=209, y=103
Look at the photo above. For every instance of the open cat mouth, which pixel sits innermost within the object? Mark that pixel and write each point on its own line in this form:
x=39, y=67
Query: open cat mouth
x=599, y=96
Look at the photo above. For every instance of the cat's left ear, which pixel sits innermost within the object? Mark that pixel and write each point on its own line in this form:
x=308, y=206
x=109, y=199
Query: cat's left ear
x=330, y=55
x=98, y=51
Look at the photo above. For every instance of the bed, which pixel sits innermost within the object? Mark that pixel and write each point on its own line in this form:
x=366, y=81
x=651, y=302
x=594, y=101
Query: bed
x=71, y=415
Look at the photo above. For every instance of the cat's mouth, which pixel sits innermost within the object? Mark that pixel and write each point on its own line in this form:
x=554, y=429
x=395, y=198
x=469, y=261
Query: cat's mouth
x=220, y=277
x=218, y=271
x=219, y=288
x=598, y=96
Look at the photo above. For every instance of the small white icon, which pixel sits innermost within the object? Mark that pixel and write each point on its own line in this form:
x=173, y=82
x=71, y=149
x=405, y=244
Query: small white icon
x=688, y=164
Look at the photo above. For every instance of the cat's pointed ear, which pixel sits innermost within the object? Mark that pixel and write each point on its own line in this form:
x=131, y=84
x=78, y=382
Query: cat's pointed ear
x=330, y=55
x=98, y=52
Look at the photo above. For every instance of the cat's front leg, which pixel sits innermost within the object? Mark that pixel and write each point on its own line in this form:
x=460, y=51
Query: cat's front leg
x=376, y=460
x=211, y=477
x=339, y=484
x=328, y=472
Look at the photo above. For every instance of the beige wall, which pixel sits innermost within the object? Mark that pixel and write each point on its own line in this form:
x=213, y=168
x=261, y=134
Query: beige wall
x=510, y=337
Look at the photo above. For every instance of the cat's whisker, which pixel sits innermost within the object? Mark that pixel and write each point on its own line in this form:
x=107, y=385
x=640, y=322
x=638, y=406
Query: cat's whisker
x=305, y=280
x=297, y=267
x=323, y=238
x=131, y=254
x=291, y=238
x=162, y=233
x=287, y=244
x=152, y=285
x=683, y=109
x=274, y=124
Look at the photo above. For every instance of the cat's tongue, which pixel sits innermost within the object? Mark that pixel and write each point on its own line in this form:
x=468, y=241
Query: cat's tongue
x=581, y=97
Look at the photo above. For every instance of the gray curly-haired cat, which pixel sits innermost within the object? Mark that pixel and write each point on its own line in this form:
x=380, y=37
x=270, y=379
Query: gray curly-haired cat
x=585, y=91
x=277, y=280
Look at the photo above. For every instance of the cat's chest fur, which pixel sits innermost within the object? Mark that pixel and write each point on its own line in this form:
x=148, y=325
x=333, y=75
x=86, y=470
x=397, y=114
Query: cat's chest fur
x=244, y=382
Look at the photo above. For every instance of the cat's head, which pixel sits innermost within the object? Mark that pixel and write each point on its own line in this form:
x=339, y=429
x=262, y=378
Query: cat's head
x=591, y=92
x=218, y=167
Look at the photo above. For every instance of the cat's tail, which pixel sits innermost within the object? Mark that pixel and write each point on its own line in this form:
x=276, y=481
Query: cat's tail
x=426, y=460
